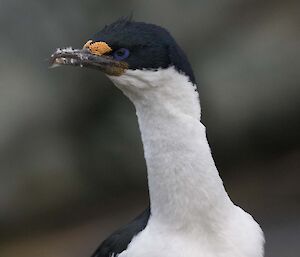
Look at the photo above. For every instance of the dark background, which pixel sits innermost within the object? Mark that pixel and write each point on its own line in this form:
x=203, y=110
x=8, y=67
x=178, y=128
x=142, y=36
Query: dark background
x=71, y=160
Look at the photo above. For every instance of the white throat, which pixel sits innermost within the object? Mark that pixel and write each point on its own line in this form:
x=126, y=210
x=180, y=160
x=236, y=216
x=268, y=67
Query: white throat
x=191, y=213
x=184, y=183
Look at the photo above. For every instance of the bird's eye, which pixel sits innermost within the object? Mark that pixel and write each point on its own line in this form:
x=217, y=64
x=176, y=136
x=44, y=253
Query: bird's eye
x=121, y=54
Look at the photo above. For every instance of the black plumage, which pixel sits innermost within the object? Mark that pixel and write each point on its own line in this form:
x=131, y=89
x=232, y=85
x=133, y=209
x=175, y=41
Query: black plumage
x=151, y=46
x=120, y=239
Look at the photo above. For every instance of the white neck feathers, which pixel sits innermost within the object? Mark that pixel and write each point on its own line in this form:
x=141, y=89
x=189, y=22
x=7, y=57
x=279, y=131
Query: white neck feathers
x=184, y=183
x=191, y=213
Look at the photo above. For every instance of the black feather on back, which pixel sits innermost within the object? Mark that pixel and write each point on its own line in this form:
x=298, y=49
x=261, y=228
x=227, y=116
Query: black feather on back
x=120, y=239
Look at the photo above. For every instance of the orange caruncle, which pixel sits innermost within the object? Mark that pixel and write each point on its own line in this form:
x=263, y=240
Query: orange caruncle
x=97, y=48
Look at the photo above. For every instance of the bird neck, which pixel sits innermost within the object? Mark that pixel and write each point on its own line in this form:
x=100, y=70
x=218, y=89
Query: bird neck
x=184, y=184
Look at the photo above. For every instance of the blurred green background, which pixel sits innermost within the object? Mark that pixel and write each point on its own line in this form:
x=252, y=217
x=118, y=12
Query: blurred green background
x=71, y=160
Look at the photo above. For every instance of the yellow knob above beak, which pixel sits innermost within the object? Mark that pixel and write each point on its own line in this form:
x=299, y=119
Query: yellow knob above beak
x=97, y=48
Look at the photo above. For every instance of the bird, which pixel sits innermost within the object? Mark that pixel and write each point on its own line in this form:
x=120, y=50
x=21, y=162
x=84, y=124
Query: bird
x=189, y=212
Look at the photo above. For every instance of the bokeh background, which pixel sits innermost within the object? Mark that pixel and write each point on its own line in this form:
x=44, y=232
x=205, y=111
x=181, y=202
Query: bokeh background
x=71, y=160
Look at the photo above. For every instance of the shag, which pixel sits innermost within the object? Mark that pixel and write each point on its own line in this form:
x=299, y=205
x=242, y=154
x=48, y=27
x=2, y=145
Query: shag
x=190, y=213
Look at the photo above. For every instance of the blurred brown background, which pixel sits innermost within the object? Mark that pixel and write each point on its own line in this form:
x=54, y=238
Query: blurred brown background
x=71, y=160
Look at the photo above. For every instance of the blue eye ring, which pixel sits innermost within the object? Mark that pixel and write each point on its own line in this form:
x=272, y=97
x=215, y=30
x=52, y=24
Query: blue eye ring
x=121, y=54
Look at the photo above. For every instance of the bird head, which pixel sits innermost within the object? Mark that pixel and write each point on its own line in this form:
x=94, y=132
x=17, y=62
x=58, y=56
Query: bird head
x=127, y=45
x=134, y=55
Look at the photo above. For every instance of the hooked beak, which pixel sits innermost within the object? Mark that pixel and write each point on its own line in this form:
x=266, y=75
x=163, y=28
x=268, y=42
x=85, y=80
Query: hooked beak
x=84, y=58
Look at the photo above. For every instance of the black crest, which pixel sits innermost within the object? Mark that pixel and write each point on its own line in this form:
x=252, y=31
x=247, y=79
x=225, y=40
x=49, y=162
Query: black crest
x=150, y=46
